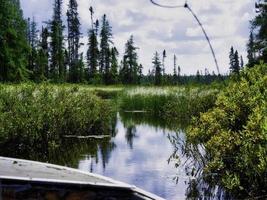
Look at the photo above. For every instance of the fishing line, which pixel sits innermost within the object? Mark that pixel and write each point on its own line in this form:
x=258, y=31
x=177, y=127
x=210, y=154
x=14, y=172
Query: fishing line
x=186, y=5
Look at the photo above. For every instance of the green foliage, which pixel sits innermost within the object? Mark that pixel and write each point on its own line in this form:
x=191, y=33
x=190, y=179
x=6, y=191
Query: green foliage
x=45, y=112
x=259, y=25
x=93, y=51
x=105, y=42
x=251, y=50
x=157, y=69
x=234, y=61
x=74, y=60
x=234, y=135
x=175, y=104
x=57, y=68
x=130, y=71
x=14, y=48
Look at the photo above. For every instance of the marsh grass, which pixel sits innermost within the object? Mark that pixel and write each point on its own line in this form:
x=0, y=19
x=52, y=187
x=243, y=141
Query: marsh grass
x=173, y=104
x=43, y=113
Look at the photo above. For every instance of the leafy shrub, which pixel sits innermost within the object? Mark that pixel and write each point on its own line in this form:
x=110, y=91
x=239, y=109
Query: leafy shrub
x=43, y=113
x=234, y=134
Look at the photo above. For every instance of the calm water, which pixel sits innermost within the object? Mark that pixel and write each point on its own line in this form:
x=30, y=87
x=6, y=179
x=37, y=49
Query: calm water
x=139, y=155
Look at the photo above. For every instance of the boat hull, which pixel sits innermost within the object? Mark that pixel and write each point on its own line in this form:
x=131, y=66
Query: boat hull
x=22, y=179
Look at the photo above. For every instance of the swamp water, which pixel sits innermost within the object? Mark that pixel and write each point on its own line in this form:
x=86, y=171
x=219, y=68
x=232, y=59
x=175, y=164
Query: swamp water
x=139, y=152
x=138, y=155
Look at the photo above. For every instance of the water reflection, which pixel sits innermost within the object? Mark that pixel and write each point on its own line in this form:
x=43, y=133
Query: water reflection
x=193, y=159
x=143, y=150
x=141, y=158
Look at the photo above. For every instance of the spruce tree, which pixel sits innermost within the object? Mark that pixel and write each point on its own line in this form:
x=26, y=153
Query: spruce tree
x=42, y=69
x=44, y=51
x=251, y=50
x=236, y=63
x=105, y=42
x=179, y=74
x=260, y=24
x=130, y=67
x=73, y=42
x=163, y=61
x=174, y=77
x=140, y=73
x=57, y=68
x=241, y=62
x=33, y=36
x=157, y=67
x=14, y=48
x=198, y=76
x=232, y=59
x=93, y=51
x=164, y=77
x=114, y=66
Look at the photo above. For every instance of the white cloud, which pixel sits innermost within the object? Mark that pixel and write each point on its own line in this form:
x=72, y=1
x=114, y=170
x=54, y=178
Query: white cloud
x=226, y=21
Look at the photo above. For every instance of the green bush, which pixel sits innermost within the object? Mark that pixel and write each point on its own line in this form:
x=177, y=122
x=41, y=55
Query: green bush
x=32, y=113
x=234, y=134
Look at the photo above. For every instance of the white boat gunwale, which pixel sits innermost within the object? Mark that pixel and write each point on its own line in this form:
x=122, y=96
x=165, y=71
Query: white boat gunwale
x=114, y=184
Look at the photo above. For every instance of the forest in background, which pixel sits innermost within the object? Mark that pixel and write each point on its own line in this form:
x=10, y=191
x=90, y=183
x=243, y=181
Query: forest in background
x=29, y=54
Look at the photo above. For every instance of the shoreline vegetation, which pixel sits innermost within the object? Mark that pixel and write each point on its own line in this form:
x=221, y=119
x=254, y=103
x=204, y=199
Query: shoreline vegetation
x=229, y=122
x=42, y=113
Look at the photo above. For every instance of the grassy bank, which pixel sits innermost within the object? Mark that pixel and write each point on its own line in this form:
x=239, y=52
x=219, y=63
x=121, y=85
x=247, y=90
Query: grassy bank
x=43, y=113
x=173, y=104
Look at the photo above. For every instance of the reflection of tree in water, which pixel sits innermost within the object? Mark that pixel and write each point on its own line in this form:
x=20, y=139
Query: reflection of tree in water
x=149, y=119
x=130, y=135
x=106, y=149
x=60, y=150
x=193, y=159
x=68, y=153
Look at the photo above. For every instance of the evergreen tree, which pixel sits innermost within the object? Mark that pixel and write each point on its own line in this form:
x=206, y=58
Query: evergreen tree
x=41, y=64
x=130, y=68
x=260, y=24
x=73, y=41
x=198, y=76
x=114, y=66
x=251, y=50
x=28, y=31
x=57, y=68
x=42, y=70
x=44, y=51
x=163, y=61
x=93, y=51
x=236, y=63
x=164, y=80
x=106, y=36
x=179, y=74
x=32, y=65
x=241, y=62
x=157, y=67
x=80, y=68
x=14, y=48
x=174, y=77
x=232, y=59
x=140, y=73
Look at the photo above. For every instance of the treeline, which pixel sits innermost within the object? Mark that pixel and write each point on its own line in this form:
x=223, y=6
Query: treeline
x=256, y=46
x=27, y=53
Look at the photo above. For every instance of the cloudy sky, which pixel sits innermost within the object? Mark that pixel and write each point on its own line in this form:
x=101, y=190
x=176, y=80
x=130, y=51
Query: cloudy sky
x=156, y=29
